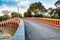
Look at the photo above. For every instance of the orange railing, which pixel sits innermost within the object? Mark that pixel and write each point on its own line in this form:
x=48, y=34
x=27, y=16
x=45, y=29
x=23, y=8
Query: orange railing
x=10, y=26
x=54, y=22
x=11, y=22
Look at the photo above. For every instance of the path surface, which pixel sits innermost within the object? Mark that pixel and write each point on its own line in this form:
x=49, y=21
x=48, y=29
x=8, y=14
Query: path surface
x=40, y=31
x=20, y=33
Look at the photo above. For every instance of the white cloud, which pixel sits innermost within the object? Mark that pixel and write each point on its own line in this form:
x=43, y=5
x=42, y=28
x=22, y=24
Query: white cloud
x=24, y=4
x=11, y=0
x=9, y=8
x=21, y=4
x=13, y=8
x=17, y=0
x=49, y=5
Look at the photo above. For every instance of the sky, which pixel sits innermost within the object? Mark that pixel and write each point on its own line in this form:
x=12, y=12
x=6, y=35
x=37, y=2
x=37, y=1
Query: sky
x=12, y=5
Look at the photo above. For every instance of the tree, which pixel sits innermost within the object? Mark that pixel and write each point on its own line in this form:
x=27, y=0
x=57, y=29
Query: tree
x=5, y=17
x=1, y=18
x=5, y=12
x=51, y=12
x=28, y=14
x=25, y=14
x=37, y=7
x=38, y=15
x=57, y=4
x=59, y=13
x=55, y=16
x=15, y=14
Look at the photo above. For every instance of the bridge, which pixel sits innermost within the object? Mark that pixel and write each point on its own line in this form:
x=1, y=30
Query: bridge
x=10, y=26
x=42, y=29
x=32, y=28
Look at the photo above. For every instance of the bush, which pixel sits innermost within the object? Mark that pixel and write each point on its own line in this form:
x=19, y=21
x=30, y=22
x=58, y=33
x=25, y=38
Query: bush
x=15, y=14
x=55, y=16
x=38, y=15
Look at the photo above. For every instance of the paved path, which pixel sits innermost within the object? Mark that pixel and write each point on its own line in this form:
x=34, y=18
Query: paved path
x=40, y=31
x=20, y=33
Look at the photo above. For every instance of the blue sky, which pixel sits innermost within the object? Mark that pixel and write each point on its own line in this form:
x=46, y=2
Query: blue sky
x=23, y=4
x=15, y=2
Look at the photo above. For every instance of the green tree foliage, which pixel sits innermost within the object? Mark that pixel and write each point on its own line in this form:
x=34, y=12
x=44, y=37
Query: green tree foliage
x=28, y=14
x=55, y=16
x=25, y=14
x=58, y=8
x=50, y=10
x=14, y=14
x=38, y=15
x=4, y=17
x=56, y=11
x=37, y=7
x=59, y=13
x=1, y=18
